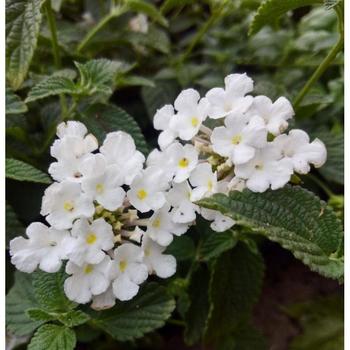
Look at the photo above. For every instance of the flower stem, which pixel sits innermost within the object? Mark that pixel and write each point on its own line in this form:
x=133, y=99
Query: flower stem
x=55, y=49
x=321, y=184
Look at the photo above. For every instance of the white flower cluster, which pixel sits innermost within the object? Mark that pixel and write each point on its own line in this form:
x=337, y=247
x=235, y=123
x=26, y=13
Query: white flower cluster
x=112, y=213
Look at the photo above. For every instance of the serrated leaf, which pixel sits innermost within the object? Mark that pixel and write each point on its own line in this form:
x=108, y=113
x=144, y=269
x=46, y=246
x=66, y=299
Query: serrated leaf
x=54, y=85
x=270, y=11
x=19, y=299
x=73, y=318
x=23, y=19
x=197, y=313
x=293, y=217
x=20, y=171
x=53, y=337
x=234, y=289
x=48, y=290
x=14, y=227
x=101, y=119
x=148, y=9
x=39, y=315
x=14, y=105
x=132, y=319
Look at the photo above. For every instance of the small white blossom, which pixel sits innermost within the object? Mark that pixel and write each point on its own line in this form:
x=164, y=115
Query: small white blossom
x=191, y=112
x=147, y=190
x=232, y=99
x=45, y=247
x=204, y=181
x=91, y=240
x=236, y=184
x=64, y=202
x=161, y=227
x=220, y=222
x=296, y=146
x=119, y=149
x=265, y=169
x=238, y=139
x=162, y=121
x=128, y=271
x=179, y=197
x=87, y=280
x=163, y=265
x=160, y=159
x=103, y=301
x=275, y=114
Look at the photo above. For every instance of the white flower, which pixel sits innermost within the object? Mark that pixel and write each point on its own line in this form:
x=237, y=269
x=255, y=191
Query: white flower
x=236, y=184
x=161, y=160
x=139, y=23
x=64, y=202
x=128, y=271
x=102, y=183
x=45, y=247
x=232, y=99
x=265, y=169
x=179, y=197
x=275, y=114
x=91, y=241
x=71, y=128
x=163, y=265
x=161, y=121
x=161, y=227
x=147, y=190
x=191, y=112
x=296, y=146
x=119, y=149
x=183, y=159
x=220, y=222
x=204, y=180
x=87, y=280
x=238, y=139
x=103, y=301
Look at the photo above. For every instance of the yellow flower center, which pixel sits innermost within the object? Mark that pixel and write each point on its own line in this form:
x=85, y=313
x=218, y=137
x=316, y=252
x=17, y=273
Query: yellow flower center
x=100, y=188
x=183, y=163
x=147, y=252
x=122, y=265
x=210, y=185
x=236, y=139
x=141, y=194
x=156, y=223
x=259, y=166
x=91, y=238
x=88, y=269
x=68, y=206
x=194, y=121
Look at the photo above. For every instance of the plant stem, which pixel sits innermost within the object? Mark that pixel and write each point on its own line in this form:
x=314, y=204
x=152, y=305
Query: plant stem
x=321, y=184
x=55, y=49
x=325, y=63
x=115, y=12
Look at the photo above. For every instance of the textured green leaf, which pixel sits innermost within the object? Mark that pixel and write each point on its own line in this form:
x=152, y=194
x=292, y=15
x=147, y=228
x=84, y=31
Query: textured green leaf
x=329, y=4
x=48, y=290
x=101, y=119
x=14, y=105
x=197, y=313
x=23, y=19
x=19, y=299
x=132, y=319
x=53, y=337
x=148, y=9
x=168, y=5
x=270, y=11
x=14, y=227
x=293, y=217
x=234, y=289
x=39, y=315
x=51, y=86
x=20, y=171
x=182, y=247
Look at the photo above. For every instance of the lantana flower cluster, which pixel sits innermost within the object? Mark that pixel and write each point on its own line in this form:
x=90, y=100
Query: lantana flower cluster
x=111, y=213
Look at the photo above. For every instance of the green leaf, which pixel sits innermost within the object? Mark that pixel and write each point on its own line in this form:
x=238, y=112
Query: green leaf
x=132, y=319
x=14, y=105
x=53, y=337
x=51, y=86
x=73, y=318
x=293, y=217
x=48, y=290
x=20, y=171
x=170, y=4
x=270, y=11
x=322, y=324
x=234, y=289
x=197, y=313
x=19, y=299
x=329, y=4
x=101, y=119
x=148, y=9
x=40, y=315
x=23, y=19
x=14, y=227
x=182, y=247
